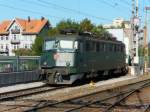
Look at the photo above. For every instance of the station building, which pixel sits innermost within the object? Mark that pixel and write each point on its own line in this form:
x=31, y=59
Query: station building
x=21, y=33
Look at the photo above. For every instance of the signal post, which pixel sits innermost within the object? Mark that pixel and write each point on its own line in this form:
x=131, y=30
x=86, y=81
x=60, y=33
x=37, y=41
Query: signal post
x=134, y=40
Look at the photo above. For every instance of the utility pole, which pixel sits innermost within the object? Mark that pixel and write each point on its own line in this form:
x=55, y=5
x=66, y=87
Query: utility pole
x=134, y=41
x=132, y=32
x=146, y=41
x=136, y=34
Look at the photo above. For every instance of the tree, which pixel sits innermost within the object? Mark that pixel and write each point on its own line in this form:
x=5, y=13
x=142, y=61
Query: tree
x=53, y=31
x=68, y=24
x=123, y=25
x=100, y=32
x=86, y=25
x=23, y=52
x=37, y=46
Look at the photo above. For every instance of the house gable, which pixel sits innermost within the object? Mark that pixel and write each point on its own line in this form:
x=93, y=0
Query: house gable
x=14, y=27
x=30, y=26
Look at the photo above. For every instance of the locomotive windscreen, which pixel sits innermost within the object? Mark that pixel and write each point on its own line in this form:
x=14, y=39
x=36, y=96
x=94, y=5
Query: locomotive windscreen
x=65, y=44
x=61, y=44
x=50, y=45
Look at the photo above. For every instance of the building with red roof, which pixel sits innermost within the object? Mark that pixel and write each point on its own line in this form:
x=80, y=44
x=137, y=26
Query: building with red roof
x=20, y=33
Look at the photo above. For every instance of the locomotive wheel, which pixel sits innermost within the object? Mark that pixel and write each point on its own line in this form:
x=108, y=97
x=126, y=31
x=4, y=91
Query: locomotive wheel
x=50, y=78
x=54, y=78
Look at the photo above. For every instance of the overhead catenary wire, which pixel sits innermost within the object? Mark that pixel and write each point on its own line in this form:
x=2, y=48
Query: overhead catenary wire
x=113, y=5
x=47, y=3
x=126, y=2
x=27, y=10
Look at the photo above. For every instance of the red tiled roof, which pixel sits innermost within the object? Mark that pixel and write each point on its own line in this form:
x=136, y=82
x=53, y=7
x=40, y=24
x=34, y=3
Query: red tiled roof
x=28, y=26
x=3, y=27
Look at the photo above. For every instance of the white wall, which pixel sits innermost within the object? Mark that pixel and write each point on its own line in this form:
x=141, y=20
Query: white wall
x=26, y=41
x=118, y=33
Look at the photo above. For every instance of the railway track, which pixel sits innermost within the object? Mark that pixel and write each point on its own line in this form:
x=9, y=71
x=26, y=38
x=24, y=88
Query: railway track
x=97, y=101
x=9, y=96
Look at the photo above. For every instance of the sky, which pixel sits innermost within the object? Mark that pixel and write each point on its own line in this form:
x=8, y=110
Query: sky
x=98, y=11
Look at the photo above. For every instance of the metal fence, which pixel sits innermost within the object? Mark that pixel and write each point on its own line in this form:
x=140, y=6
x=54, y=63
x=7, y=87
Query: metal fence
x=19, y=77
x=19, y=69
x=19, y=63
x=142, y=59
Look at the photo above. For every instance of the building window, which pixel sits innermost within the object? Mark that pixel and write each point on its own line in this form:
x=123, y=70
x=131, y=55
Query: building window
x=14, y=37
x=16, y=27
x=6, y=46
x=2, y=38
x=1, y=46
x=14, y=46
x=26, y=46
x=6, y=37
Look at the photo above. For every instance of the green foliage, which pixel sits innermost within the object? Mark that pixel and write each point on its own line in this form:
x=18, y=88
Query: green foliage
x=67, y=24
x=37, y=46
x=123, y=25
x=143, y=51
x=86, y=25
x=23, y=52
x=53, y=32
x=100, y=32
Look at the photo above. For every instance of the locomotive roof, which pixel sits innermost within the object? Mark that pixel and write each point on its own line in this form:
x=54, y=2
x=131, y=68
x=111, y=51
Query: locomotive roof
x=80, y=37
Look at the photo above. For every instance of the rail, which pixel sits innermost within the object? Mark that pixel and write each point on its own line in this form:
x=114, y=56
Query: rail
x=88, y=103
x=8, y=96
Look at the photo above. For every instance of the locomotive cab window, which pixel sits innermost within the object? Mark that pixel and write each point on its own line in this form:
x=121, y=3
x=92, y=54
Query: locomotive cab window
x=51, y=44
x=60, y=44
x=66, y=44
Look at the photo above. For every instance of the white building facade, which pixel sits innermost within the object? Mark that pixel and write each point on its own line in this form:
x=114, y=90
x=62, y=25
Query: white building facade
x=19, y=33
x=118, y=23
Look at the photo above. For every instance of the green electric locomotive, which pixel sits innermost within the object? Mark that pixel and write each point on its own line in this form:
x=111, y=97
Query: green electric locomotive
x=67, y=58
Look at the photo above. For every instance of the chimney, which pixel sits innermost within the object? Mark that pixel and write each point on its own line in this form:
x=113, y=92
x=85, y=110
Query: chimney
x=29, y=19
x=42, y=18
